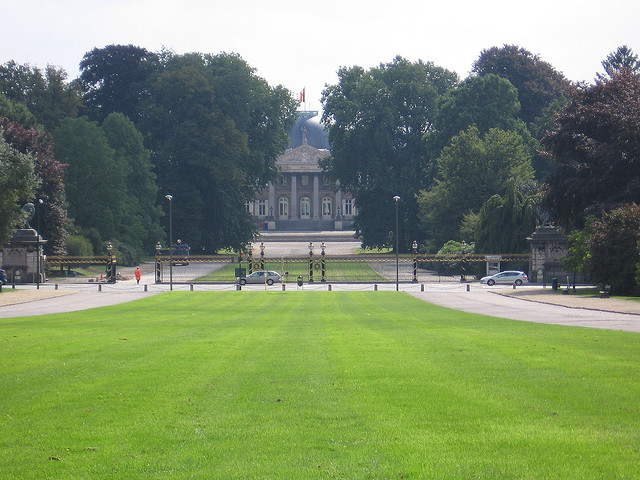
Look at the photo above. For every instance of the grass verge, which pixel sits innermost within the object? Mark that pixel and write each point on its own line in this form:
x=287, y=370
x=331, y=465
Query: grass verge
x=293, y=385
x=335, y=271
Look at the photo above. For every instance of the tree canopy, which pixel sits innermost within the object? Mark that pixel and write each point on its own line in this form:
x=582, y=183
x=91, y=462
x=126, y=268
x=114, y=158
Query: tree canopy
x=595, y=142
x=537, y=82
x=114, y=79
x=46, y=94
x=623, y=59
x=17, y=184
x=376, y=121
x=215, y=130
x=471, y=169
x=505, y=222
x=50, y=174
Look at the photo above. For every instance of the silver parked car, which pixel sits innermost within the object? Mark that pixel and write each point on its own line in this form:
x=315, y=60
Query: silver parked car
x=508, y=277
x=261, y=276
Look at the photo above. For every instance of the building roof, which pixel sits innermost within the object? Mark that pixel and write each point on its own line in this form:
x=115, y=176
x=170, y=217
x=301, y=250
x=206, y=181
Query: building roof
x=309, y=145
x=315, y=132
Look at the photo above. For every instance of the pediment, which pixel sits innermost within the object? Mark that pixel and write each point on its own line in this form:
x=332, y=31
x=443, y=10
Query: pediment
x=305, y=157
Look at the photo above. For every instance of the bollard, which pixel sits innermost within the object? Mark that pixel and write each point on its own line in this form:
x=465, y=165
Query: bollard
x=329, y=287
x=238, y=287
x=191, y=287
x=283, y=287
x=468, y=287
x=99, y=287
x=375, y=287
x=514, y=286
x=56, y=286
x=422, y=287
x=145, y=288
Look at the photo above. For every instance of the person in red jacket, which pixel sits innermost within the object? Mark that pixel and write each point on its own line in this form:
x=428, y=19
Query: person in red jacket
x=138, y=274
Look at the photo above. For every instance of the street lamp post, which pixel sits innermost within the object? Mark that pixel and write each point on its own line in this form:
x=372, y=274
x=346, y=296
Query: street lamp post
x=414, y=246
x=397, y=199
x=261, y=255
x=158, y=248
x=463, y=275
x=39, y=254
x=170, y=198
x=310, y=262
x=250, y=258
x=111, y=272
x=323, y=246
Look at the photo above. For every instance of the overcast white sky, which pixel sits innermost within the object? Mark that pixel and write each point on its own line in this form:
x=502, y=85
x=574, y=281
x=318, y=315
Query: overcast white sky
x=301, y=44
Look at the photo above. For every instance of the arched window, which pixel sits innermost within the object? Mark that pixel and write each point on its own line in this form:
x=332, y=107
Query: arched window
x=283, y=208
x=305, y=207
x=326, y=207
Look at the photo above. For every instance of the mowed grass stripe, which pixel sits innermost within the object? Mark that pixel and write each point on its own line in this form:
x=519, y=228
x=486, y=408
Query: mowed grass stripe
x=313, y=385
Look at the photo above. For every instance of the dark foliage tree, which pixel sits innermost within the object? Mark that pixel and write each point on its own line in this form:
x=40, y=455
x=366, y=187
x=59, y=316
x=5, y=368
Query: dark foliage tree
x=17, y=184
x=595, y=142
x=538, y=83
x=46, y=94
x=114, y=79
x=50, y=174
x=376, y=122
x=613, y=254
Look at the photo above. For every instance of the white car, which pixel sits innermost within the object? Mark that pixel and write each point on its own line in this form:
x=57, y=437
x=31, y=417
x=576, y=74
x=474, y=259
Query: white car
x=509, y=277
x=261, y=276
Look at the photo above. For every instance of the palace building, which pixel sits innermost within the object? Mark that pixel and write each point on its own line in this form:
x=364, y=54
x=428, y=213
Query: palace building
x=303, y=199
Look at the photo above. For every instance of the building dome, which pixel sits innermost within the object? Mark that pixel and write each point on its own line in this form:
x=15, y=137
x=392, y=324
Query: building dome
x=309, y=125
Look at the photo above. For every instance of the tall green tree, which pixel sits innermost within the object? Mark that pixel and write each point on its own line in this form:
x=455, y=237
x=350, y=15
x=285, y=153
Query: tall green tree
x=542, y=91
x=16, y=112
x=623, y=59
x=505, y=222
x=538, y=83
x=46, y=94
x=215, y=129
x=486, y=102
x=114, y=79
x=376, y=121
x=595, y=142
x=17, y=184
x=95, y=181
x=471, y=169
x=140, y=222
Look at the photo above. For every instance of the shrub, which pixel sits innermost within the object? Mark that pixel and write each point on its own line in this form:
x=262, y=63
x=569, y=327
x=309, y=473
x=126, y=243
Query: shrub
x=79, y=246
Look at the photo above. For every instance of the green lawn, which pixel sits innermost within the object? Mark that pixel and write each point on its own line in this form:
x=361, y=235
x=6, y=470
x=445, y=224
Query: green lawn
x=298, y=385
x=335, y=271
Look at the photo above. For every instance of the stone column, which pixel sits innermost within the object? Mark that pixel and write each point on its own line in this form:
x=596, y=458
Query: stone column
x=316, y=197
x=293, y=214
x=272, y=199
x=338, y=207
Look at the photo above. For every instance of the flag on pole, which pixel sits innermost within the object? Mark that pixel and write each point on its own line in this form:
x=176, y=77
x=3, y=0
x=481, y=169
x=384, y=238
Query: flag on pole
x=303, y=96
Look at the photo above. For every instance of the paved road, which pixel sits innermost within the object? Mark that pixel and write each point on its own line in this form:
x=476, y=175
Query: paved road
x=531, y=304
